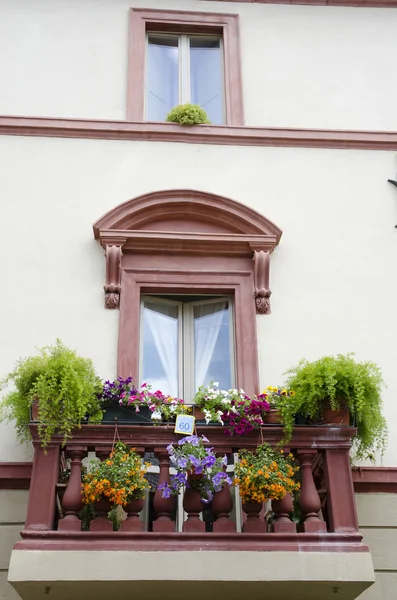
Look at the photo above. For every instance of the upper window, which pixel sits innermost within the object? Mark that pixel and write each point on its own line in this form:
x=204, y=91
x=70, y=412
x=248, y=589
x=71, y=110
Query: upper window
x=184, y=68
x=186, y=342
x=178, y=57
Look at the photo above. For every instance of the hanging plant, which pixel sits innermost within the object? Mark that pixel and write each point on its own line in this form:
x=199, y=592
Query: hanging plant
x=265, y=474
x=336, y=381
x=63, y=384
x=197, y=467
x=120, y=478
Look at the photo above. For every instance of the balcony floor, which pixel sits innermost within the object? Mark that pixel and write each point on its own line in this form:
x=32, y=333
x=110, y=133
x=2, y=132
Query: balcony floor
x=44, y=574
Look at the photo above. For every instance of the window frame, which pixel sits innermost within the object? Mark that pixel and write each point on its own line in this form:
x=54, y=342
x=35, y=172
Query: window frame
x=143, y=21
x=184, y=67
x=186, y=358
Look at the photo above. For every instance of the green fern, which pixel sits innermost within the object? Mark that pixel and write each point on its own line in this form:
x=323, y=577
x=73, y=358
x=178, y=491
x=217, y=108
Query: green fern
x=335, y=380
x=65, y=386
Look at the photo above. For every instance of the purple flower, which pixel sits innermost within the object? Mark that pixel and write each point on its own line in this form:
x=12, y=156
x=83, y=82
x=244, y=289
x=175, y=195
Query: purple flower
x=182, y=462
x=209, y=460
x=195, y=461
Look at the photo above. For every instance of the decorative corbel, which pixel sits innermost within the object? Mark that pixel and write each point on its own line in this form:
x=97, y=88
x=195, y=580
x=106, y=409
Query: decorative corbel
x=112, y=286
x=262, y=275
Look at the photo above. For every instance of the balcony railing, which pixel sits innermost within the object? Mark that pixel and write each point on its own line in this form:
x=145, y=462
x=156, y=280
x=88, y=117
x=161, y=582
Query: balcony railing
x=327, y=523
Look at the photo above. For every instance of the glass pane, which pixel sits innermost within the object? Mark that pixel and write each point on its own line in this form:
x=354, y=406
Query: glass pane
x=212, y=352
x=206, y=85
x=159, y=365
x=162, y=79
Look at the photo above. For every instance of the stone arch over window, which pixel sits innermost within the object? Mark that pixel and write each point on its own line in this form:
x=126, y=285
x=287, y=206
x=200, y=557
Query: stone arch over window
x=186, y=241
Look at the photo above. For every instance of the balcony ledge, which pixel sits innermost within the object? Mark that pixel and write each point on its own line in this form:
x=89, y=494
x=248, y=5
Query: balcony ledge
x=87, y=574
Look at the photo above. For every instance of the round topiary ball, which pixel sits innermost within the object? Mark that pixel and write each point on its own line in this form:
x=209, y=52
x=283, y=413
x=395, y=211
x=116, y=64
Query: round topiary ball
x=188, y=114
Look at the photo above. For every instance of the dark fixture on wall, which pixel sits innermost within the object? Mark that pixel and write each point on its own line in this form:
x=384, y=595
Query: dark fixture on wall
x=394, y=183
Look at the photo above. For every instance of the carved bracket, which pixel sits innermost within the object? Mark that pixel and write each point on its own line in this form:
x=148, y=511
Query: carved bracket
x=112, y=286
x=262, y=276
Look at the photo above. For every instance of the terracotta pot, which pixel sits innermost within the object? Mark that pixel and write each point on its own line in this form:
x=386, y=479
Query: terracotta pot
x=34, y=410
x=193, y=475
x=198, y=413
x=273, y=416
x=336, y=417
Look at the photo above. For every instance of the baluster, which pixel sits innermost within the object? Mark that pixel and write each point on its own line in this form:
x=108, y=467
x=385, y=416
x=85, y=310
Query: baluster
x=164, y=507
x=72, y=501
x=253, y=524
x=309, y=499
x=41, y=505
x=282, y=509
x=102, y=508
x=193, y=506
x=222, y=505
x=133, y=521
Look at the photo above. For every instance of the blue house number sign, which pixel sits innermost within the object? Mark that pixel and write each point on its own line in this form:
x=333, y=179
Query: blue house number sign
x=184, y=424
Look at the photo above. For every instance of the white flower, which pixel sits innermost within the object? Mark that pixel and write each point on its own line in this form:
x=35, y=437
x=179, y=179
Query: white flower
x=220, y=413
x=226, y=401
x=207, y=414
x=215, y=385
x=156, y=415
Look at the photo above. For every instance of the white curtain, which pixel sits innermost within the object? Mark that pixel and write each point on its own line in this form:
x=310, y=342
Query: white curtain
x=162, y=320
x=207, y=325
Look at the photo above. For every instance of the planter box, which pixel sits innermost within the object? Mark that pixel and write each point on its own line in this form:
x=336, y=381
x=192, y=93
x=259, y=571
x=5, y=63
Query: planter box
x=127, y=415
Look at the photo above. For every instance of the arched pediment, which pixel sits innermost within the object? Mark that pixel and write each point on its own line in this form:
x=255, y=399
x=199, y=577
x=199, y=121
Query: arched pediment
x=192, y=217
x=187, y=223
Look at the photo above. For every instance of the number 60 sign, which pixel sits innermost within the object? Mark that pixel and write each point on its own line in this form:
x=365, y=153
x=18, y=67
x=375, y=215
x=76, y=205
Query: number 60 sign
x=184, y=424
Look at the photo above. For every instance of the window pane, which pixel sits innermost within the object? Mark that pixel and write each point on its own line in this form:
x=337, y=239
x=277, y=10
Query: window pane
x=212, y=350
x=160, y=346
x=162, y=85
x=206, y=85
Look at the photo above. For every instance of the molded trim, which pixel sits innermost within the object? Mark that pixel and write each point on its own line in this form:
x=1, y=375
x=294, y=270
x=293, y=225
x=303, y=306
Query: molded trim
x=15, y=476
x=354, y=3
x=198, y=134
x=373, y=480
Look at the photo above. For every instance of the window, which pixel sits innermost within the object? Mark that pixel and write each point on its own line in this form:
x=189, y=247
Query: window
x=184, y=68
x=187, y=265
x=186, y=342
x=177, y=57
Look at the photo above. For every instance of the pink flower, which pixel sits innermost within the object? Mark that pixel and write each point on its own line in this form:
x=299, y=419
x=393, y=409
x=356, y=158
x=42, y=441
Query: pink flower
x=137, y=409
x=120, y=402
x=144, y=385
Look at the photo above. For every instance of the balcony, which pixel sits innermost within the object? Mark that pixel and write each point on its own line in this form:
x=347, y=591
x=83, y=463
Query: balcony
x=228, y=554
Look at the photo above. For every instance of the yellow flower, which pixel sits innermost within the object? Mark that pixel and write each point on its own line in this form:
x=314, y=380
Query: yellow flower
x=292, y=393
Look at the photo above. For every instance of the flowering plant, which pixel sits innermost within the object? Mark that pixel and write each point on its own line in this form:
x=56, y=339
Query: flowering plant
x=196, y=467
x=120, y=478
x=276, y=396
x=125, y=393
x=265, y=474
x=241, y=413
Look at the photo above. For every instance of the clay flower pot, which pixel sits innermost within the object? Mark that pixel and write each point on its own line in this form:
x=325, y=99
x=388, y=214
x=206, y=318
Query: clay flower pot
x=336, y=417
x=273, y=417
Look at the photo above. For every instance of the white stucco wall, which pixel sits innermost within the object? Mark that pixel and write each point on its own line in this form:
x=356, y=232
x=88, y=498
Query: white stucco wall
x=319, y=66
x=332, y=277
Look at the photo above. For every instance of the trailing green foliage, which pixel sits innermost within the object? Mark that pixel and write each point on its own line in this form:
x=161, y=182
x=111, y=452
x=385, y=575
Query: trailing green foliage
x=334, y=381
x=65, y=386
x=188, y=114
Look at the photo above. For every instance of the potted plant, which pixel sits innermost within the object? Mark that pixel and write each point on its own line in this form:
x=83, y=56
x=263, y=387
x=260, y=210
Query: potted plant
x=197, y=467
x=61, y=385
x=233, y=407
x=340, y=383
x=123, y=400
x=188, y=114
x=276, y=397
x=120, y=477
x=266, y=474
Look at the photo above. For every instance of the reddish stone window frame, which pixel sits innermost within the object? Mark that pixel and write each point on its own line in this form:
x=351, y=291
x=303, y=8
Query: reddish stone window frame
x=184, y=241
x=227, y=25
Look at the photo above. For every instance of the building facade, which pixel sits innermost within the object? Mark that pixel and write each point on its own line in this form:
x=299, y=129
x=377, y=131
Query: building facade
x=293, y=172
